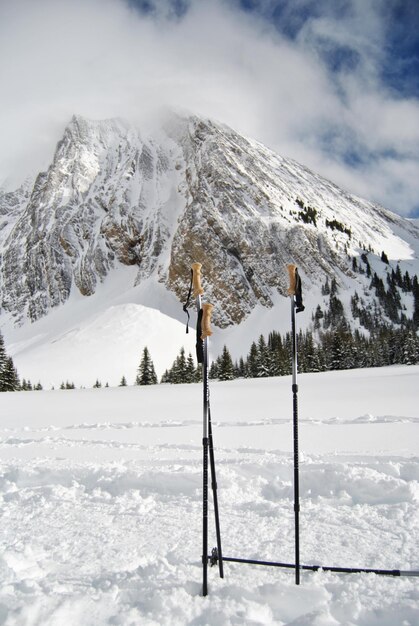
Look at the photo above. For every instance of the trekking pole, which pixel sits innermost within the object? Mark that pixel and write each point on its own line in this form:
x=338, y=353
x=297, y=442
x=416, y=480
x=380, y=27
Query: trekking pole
x=203, y=333
x=216, y=551
x=296, y=306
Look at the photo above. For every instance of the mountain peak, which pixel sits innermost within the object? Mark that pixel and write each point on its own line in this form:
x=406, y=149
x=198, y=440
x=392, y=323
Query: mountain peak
x=196, y=190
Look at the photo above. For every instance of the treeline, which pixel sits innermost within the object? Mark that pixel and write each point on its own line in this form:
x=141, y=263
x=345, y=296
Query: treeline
x=146, y=374
x=9, y=378
x=334, y=350
x=183, y=370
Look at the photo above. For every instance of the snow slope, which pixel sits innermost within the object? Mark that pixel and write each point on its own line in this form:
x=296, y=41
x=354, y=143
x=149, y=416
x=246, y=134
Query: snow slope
x=105, y=347
x=100, y=494
x=101, y=337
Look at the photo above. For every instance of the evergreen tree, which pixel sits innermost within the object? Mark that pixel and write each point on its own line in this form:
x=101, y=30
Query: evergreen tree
x=301, y=348
x=198, y=373
x=312, y=362
x=3, y=358
x=123, y=382
x=225, y=368
x=213, y=370
x=241, y=369
x=407, y=283
x=165, y=377
x=326, y=288
x=399, y=278
x=364, y=258
x=280, y=358
x=10, y=378
x=415, y=290
x=263, y=365
x=146, y=373
x=178, y=373
x=317, y=317
x=190, y=373
x=253, y=361
x=335, y=316
x=326, y=352
x=97, y=384
x=183, y=370
x=410, y=355
x=285, y=355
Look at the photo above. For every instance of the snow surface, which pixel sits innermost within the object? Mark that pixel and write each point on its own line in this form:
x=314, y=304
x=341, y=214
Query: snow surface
x=101, y=502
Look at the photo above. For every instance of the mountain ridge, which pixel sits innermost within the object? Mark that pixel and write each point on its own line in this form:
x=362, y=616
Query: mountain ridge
x=194, y=191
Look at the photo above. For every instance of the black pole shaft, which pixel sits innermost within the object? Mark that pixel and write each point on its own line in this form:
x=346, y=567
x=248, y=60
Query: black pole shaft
x=325, y=568
x=205, y=519
x=205, y=472
x=215, y=496
x=296, y=452
x=296, y=489
x=205, y=403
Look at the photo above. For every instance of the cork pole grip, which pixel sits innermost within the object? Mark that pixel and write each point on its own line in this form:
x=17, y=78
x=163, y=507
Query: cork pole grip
x=206, y=320
x=196, y=279
x=291, y=271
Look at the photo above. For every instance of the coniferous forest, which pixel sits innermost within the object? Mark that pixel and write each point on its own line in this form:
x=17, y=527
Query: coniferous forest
x=387, y=334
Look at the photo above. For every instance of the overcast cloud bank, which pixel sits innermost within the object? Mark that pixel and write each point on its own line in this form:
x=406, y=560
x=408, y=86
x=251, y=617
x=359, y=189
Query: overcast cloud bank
x=318, y=96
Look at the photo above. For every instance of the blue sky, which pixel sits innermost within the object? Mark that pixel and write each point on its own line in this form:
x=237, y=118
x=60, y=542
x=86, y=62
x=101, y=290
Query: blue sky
x=399, y=41
x=331, y=83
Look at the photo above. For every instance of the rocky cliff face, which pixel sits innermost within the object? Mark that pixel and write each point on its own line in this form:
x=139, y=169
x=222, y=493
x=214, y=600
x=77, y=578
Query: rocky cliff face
x=101, y=201
x=195, y=191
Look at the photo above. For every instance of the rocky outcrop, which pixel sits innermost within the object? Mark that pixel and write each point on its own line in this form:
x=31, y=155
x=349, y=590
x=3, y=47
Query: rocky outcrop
x=196, y=191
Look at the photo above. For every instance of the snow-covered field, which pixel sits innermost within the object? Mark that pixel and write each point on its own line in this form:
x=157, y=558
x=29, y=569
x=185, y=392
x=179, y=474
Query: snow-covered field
x=101, y=502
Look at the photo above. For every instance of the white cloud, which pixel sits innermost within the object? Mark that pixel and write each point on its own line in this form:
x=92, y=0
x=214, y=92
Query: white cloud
x=100, y=58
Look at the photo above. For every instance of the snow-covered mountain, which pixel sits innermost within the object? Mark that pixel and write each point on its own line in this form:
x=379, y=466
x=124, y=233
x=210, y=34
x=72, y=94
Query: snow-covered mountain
x=122, y=207
x=196, y=191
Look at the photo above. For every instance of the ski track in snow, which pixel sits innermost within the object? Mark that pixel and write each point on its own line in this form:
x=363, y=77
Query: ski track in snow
x=101, y=520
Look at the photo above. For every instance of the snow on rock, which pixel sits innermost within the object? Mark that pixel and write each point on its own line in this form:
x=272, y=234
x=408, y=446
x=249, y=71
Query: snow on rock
x=101, y=502
x=194, y=191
